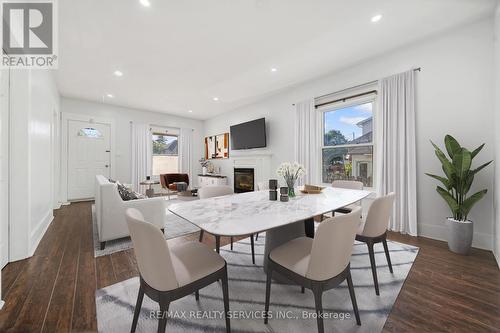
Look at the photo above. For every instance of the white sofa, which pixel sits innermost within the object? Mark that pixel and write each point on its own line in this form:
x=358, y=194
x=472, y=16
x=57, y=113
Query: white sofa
x=110, y=211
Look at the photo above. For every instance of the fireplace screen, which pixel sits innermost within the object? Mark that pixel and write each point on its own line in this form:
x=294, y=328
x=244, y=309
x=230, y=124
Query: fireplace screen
x=243, y=180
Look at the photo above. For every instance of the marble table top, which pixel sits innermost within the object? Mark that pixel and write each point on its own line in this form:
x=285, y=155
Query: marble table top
x=252, y=212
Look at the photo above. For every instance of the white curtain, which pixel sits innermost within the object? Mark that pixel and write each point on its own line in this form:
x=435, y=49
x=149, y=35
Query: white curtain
x=141, y=153
x=186, y=152
x=307, y=140
x=396, y=153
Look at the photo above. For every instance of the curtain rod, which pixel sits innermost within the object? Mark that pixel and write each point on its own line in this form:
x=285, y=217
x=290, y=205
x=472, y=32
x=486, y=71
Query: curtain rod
x=418, y=69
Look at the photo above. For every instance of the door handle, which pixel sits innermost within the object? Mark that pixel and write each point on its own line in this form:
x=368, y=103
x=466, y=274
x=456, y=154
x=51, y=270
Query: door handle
x=107, y=166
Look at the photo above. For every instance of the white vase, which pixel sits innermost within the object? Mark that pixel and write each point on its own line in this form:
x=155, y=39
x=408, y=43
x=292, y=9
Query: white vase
x=204, y=169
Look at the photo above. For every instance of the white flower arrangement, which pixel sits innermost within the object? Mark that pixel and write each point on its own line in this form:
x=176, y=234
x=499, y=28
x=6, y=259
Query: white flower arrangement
x=290, y=173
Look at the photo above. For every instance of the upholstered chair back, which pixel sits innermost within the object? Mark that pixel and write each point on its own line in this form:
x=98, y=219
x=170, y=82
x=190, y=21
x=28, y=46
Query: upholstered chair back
x=332, y=245
x=214, y=191
x=152, y=252
x=349, y=184
x=379, y=213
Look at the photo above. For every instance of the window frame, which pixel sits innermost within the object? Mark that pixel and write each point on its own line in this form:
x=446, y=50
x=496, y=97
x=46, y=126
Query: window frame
x=342, y=105
x=156, y=131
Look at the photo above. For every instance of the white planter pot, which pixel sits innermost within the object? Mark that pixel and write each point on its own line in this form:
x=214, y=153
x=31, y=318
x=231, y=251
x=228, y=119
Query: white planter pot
x=459, y=235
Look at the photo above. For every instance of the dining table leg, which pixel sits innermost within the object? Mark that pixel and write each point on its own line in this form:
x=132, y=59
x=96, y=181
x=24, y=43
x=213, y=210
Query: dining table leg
x=278, y=236
x=217, y=244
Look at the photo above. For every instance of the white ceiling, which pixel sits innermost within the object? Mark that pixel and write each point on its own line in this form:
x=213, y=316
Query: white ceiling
x=177, y=55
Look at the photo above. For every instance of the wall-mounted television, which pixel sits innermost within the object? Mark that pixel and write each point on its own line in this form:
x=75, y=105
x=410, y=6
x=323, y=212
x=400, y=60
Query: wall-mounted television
x=251, y=134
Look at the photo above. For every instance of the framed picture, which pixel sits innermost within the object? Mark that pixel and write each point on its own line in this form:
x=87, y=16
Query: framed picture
x=222, y=145
x=217, y=146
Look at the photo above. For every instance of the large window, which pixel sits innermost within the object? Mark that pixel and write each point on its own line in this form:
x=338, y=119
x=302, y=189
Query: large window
x=165, y=154
x=347, y=152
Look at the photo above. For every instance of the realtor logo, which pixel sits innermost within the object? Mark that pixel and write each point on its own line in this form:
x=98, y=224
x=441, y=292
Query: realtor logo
x=28, y=34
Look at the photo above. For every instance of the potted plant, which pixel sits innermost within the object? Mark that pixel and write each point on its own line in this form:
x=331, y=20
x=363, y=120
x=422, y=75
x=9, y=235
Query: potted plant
x=290, y=173
x=456, y=185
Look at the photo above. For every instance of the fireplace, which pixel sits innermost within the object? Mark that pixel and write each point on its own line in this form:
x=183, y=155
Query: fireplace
x=243, y=180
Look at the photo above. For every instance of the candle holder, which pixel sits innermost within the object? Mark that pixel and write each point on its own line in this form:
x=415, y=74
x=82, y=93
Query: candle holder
x=273, y=184
x=273, y=195
x=284, y=194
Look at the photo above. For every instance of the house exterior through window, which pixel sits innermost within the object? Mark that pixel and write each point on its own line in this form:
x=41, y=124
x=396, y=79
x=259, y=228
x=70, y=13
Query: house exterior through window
x=347, y=151
x=165, y=153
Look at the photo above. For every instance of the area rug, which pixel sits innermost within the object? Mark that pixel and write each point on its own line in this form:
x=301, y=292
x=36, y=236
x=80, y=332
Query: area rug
x=174, y=227
x=292, y=311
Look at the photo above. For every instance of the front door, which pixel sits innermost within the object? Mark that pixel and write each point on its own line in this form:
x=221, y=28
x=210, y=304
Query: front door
x=88, y=155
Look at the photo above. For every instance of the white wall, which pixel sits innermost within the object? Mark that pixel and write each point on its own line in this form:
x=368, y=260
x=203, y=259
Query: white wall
x=34, y=106
x=121, y=117
x=454, y=95
x=497, y=136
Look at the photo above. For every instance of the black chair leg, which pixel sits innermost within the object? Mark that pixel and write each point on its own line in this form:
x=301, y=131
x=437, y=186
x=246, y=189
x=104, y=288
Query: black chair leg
x=197, y=295
x=225, y=295
x=353, y=298
x=162, y=323
x=201, y=236
x=256, y=236
x=231, y=243
x=268, y=293
x=386, y=249
x=217, y=244
x=318, y=295
x=137, y=310
x=374, y=267
x=253, y=249
x=302, y=290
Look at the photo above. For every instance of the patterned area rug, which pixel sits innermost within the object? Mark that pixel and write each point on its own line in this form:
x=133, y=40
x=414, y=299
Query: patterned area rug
x=292, y=311
x=174, y=227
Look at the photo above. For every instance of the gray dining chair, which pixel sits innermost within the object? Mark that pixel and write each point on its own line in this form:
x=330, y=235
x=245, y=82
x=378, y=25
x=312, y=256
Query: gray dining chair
x=169, y=272
x=351, y=185
x=319, y=264
x=217, y=191
x=373, y=229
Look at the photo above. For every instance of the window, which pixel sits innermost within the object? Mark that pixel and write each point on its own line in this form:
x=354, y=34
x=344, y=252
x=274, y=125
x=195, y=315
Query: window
x=90, y=132
x=165, y=153
x=347, y=152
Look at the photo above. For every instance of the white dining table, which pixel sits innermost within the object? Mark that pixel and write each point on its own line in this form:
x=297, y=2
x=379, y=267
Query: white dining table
x=252, y=212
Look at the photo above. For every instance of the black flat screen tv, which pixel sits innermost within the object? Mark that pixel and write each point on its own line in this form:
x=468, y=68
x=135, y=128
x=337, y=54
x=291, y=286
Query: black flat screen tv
x=251, y=134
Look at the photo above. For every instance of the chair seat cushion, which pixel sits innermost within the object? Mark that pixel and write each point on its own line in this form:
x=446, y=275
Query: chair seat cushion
x=193, y=261
x=294, y=255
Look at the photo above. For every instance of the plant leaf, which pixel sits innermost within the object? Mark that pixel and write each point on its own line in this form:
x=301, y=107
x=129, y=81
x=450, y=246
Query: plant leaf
x=451, y=145
x=461, y=161
x=471, y=201
x=477, y=150
x=449, y=200
x=476, y=170
x=448, y=168
x=443, y=180
x=468, y=182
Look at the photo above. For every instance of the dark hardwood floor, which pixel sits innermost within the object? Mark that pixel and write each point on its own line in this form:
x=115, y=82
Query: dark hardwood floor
x=53, y=291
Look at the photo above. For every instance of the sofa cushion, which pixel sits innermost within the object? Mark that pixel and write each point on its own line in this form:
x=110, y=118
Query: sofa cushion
x=127, y=194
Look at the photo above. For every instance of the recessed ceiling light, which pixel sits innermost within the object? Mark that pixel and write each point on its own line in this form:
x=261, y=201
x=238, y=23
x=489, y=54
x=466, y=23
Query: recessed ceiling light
x=190, y=111
x=145, y=3
x=274, y=69
x=215, y=99
x=118, y=73
x=376, y=18
x=110, y=95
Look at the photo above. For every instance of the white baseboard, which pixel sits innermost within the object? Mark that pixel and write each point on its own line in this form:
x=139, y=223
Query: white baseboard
x=480, y=240
x=37, y=234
